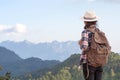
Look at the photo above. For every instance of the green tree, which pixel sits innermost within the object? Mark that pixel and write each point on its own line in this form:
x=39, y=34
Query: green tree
x=76, y=74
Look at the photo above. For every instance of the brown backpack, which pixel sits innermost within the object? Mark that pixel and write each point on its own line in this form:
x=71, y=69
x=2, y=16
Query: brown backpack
x=97, y=53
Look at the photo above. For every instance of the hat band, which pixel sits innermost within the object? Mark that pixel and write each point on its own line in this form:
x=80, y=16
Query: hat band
x=90, y=18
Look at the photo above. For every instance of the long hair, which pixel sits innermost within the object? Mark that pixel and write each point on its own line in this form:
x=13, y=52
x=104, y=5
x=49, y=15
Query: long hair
x=88, y=24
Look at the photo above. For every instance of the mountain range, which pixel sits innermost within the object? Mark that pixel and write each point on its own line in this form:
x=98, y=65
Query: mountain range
x=47, y=51
x=11, y=62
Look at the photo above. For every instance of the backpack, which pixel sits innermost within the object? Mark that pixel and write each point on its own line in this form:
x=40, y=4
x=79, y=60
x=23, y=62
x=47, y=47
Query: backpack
x=99, y=50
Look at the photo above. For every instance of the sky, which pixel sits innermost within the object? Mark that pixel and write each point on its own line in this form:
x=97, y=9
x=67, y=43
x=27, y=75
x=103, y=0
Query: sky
x=49, y=20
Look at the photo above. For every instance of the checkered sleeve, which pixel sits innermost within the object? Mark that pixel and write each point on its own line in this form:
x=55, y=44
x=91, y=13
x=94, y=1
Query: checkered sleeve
x=84, y=40
x=84, y=46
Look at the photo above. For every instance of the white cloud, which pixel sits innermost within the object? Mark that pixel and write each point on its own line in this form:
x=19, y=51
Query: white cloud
x=13, y=30
x=1, y=28
x=20, y=28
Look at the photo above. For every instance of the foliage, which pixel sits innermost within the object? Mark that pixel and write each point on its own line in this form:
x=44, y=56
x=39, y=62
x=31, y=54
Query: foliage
x=6, y=77
x=68, y=70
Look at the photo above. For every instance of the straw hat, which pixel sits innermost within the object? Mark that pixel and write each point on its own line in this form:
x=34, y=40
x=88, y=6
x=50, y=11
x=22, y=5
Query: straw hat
x=90, y=16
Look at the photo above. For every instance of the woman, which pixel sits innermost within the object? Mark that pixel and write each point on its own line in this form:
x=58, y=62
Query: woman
x=90, y=72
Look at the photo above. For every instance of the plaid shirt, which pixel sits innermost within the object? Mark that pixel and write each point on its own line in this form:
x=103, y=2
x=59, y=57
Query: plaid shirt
x=84, y=45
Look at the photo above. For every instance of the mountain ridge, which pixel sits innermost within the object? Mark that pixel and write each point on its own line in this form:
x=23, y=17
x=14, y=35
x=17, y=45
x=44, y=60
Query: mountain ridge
x=11, y=62
x=46, y=51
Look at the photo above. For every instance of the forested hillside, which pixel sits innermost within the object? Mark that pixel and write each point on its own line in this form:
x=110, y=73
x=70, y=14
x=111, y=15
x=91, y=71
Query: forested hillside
x=11, y=62
x=68, y=70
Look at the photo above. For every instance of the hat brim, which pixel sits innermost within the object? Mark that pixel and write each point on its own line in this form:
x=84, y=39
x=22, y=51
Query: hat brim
x=89, y=20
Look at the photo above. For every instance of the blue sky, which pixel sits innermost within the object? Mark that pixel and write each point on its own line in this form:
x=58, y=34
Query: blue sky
x=49, y=20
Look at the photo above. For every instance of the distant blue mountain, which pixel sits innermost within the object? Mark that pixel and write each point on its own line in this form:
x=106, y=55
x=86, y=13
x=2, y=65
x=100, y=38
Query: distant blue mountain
x=47, y=51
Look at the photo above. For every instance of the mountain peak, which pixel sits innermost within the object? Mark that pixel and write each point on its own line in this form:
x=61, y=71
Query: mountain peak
x=8, y=56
